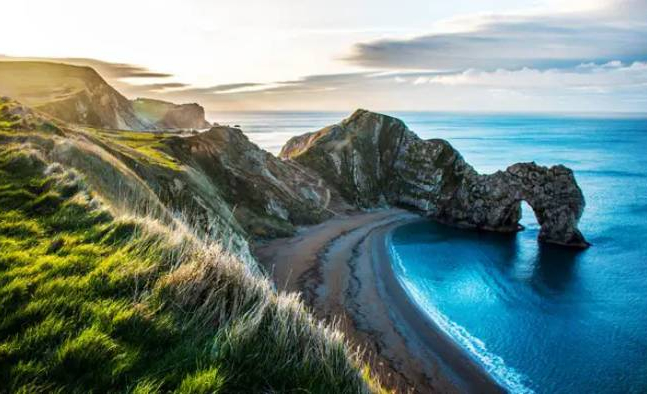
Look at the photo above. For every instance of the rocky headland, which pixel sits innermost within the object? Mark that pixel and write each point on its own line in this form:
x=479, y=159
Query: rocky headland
x=170, y=116
x=374, y=160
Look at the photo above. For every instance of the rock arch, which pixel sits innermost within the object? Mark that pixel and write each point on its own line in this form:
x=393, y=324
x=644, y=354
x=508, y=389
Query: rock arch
x=493, y=202
x=555, y=198
x=390, y=164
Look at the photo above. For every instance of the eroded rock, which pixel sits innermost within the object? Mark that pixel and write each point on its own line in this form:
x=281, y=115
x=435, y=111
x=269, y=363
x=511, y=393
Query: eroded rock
x=268, y=197
x=374, y=159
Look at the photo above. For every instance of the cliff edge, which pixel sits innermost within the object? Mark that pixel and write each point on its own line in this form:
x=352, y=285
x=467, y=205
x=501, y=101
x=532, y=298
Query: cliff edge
x=79, y=95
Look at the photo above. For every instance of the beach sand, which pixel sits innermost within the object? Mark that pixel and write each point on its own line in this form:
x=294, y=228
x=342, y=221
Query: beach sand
x=343, y=270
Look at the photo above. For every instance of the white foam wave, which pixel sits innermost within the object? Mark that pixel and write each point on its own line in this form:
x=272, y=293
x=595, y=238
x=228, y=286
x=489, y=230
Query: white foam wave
x=493, y=364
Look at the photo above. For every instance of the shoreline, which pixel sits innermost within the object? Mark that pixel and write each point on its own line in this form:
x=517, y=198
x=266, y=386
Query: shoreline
x=342, y=268
x=467, y=374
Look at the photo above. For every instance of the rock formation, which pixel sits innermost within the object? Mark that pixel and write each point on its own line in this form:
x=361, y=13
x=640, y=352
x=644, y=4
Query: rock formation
x=367, y=160
x=268, y=196
x=168, y=116
x=79, y=95
x=73, y=94
x=374, y=160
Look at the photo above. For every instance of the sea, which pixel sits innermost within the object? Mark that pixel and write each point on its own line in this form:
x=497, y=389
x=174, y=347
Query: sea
x=538, y=318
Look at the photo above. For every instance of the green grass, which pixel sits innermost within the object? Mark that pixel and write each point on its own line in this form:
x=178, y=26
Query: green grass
x=147, y=144
x=7, y=120
x=71, y=312
x=94, y=303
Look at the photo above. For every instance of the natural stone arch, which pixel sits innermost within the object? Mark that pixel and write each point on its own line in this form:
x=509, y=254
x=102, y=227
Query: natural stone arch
x=493, y=202
x=555, y=198
x=390, y=164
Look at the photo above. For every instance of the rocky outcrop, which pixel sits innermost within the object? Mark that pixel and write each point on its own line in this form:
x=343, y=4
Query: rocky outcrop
x=268, y=197
x=374, y=160
x=169, y=116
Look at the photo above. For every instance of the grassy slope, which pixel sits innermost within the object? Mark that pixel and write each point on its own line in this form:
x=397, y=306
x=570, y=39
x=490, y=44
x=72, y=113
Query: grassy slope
x=147, y=144
x=94, y=302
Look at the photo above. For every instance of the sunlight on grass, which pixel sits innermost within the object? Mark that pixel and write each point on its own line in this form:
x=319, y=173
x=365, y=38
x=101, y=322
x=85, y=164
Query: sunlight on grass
x=68, y=274
x=89, y=301
x=147, y=145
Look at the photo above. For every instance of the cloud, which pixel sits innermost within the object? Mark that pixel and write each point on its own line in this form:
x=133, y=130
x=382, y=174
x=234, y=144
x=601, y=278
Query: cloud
x=108, y=70
x=611, y=86
x=161, y=87
x=225, y=88
x=114, y=70
x=613, y=75
x=618, y=31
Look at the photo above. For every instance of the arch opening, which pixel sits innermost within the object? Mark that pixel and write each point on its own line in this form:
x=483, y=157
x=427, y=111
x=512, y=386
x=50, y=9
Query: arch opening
x=528, y=218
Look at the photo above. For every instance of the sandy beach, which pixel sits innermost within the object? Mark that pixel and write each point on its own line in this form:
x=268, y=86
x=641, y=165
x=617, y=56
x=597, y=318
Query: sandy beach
x=343, y=270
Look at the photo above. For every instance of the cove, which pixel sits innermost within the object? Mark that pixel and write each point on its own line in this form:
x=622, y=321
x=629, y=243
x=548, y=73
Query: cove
x=536, y=317
x=542, y=318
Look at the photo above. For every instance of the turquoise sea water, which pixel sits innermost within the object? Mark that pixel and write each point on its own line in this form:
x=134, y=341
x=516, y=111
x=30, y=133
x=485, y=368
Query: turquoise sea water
x=538, y=318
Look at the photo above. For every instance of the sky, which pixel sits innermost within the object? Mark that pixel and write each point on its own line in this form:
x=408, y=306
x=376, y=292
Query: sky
x=459, y=55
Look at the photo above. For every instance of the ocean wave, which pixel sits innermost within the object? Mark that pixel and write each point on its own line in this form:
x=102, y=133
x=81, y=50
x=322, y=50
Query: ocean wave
x=493, y=364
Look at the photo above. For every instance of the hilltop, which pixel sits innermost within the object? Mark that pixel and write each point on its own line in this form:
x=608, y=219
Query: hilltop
x=79, y=95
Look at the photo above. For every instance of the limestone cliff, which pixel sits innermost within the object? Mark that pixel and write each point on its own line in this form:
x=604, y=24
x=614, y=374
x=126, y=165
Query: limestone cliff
x=376, y=160
x=268, y=197
x=168, y=116
x=73, y=94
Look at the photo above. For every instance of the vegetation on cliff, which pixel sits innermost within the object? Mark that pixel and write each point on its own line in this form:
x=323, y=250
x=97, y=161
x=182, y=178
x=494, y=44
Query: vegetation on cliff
x=104, y=286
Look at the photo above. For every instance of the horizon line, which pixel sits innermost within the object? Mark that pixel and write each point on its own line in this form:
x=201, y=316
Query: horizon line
x=473, y=112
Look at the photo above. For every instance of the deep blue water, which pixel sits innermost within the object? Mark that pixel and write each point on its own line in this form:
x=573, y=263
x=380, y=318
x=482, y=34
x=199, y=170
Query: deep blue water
x=539, y=318
x=542, y=318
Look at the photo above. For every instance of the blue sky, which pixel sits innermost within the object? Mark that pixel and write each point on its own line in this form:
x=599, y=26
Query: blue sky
x=540, y=55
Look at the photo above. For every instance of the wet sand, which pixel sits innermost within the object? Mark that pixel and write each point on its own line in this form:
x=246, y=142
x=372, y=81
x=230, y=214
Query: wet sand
x=343, y=269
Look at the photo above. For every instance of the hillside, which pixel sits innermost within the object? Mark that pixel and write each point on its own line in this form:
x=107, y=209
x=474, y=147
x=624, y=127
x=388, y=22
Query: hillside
x=122, y=267
x=70, y=93
x=79, y=95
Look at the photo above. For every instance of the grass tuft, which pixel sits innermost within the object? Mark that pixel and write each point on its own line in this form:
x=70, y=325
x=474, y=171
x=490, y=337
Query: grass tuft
x=94, y=302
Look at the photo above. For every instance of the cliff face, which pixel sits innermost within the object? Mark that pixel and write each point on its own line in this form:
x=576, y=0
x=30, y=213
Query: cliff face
x=79, y=95
x=165, y=115
x=268, y=197
x=72, y=94
x=219, y=181
x=375, y=160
